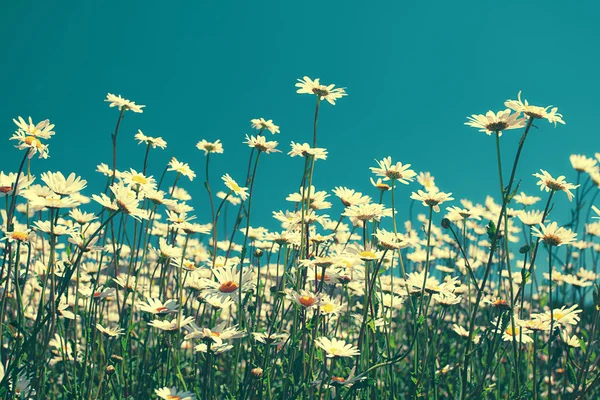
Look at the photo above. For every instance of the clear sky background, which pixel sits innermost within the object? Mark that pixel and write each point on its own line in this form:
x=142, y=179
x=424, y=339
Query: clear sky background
x=413, y=71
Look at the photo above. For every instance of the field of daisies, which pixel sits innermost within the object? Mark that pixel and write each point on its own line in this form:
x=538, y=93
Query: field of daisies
x=124, y=294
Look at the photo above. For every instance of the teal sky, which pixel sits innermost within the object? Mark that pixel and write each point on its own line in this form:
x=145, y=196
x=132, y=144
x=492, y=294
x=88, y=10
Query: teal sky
x=413, y=72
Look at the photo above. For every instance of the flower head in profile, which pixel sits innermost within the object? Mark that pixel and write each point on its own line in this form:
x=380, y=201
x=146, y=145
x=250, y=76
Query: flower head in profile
x=41, y=130
x=495, y=122
x=232, y=185
x=367, y=212
x=260, y=143
x=57, y=182
x=582, y=163
x=110, y=331
x=548, y=183
x=336, y=348
x=304, y=150
x=210, y=147
x=554, y=235
x=8, y=182
x=397, y=171
x=123, y=104
x=535, y=112
x=329, y=93
x=524, y=199
x=181, y=168
x=432, y=199
x=261, y=124
x=30, y=143
x=150, y=141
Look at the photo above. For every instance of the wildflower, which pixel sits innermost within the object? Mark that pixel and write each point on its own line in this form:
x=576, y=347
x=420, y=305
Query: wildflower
x=261, y=124
x=41, y=130
x=397, y=171
x=582, y=163
x=379, y=184
x=563, y=316
x=273, y=339
x=137, y=179
x=350, y=197
x=181, y=168
x=210, y=147
x=123, y=104
x=571, y=341
x=554, y=235
x=548, y=183
x=495, y=122
x=389, y=240
x=173, y=325
x=228, y=282
x=232, y=185
x=21, y=235
x=336, y=348
x=535, y=112
x=7, y=183
x=260, y=143
x=150, y=141
x=432, y=199
x=329, y=93
x=303, y=150
x=426, y=180
x=532, y=217
x=174, y=394
x=30, y=143
x=367, y=212
x=81, y=217
x=305, y=298
x=526, y=200
x=110, y=331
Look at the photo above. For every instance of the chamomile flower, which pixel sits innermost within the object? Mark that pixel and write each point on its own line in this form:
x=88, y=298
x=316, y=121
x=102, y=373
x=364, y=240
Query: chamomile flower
x=31, y=144
x=42, y=129
x=110, y=331
x=336, y=348
x=304, y=150
x=172, y=393
x=329, y=93
x=8, y=182
x=210, y=147
x=232, y=185
x=172, y=325
x=432, y=199
x=493, y=122
x=123, y=104
x=227, y=284
x=181, y=168
x=548, y=183
x=535, y=112
x=531, y=217
x=261, y=144
x=350, y=197
x=397, y=171
x=150, y=141
x=554, y=235
x=261, y=124
x=524, y=199
x=137, y=179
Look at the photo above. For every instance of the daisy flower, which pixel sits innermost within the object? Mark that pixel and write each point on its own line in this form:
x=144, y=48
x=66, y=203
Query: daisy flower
x=379, y=184
x=535, y=112
x=329, y=93
x=532, y=217
x=496, y=122
x=134, y=178
x=123, y=104
x=210, y=147
x=432, y=199
x=125, y=200
x=548, y=183
x=350, y=197
x=389, y=240
x=427, y=180
x=563, y=316
x=156, y=306
x=228, y=282
x=262, y=124
x=554, y=235
x=30, y=143
x=172, y=325
x=304, y=149
x=304, y=298
x=42, y=130
x=63, y=186
x=397, y=171
x=523, y=198
x=150, y=141
x=336, y=348
x=81, y=217
x=174, y=394
x=273, y=339
x=260, y=143
x=110, y=331
x=181, y=168
x=7, y=183
x=367, y=212
x=232, y=185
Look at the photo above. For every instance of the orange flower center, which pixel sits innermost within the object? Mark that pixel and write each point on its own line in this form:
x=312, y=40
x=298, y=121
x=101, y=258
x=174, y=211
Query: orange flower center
x=338, y=379
x=5, y=189
x=20, y=236
x=228, y=287
x=306, y=301
x=162, y=309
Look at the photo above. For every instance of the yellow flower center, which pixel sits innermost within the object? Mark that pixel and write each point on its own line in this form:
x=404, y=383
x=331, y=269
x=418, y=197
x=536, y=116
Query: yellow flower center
x=509, y=331
x=558, y=315
x=235, y=187
x=367, y=254
x=20, y=236
x=327, y=308
x=33, y=141
x=139, y=179
x=228, y=287
x=172, y=397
